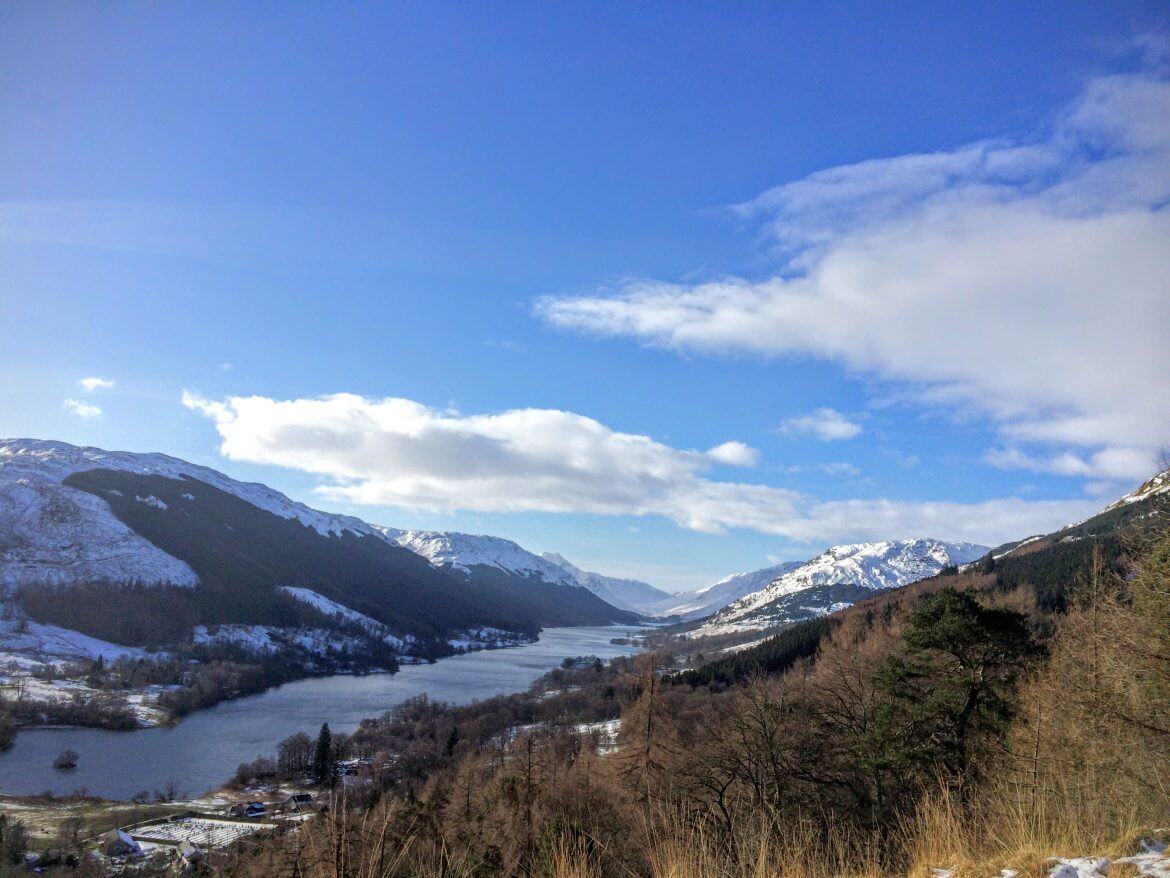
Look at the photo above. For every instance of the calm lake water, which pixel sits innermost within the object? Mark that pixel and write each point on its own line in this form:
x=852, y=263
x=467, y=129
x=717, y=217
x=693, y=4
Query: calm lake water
x=202, y=752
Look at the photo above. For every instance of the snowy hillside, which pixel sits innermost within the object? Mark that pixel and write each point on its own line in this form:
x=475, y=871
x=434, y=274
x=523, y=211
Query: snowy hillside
x=466, y=551
x=53, y=533
x=836, y=578
x=71, y=515
x=1159, y=484
x=706, y=600
x=628, y=594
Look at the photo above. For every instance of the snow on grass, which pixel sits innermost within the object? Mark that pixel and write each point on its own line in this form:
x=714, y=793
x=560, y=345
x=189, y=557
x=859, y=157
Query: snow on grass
x=740, y=647
x=326, y=605
x=332, y=608
x=48, y=642
x=606, y=732
x=271, y=639
x=143, y=703
x=1153, y=861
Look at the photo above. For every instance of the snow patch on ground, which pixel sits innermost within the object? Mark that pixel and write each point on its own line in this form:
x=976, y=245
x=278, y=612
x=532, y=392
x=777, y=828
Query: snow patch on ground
x=332, y=608
x=1159, y=484
x=1152, y=861
x=740, y=647
x=270, y=639
x=606, y=732
x=45, y=643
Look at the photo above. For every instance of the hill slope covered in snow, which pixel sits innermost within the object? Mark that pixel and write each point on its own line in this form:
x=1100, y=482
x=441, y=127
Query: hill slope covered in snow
x=836, y=578
x=72, y=517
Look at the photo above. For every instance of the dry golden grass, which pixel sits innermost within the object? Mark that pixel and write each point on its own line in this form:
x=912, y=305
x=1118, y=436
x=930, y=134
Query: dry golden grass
x=1009, y=834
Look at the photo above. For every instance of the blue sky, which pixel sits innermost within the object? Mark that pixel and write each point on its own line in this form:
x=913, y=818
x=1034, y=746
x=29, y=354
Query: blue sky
x=909, y=259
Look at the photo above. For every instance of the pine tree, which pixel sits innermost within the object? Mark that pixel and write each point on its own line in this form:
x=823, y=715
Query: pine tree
x=324, y=763
x=952, y=689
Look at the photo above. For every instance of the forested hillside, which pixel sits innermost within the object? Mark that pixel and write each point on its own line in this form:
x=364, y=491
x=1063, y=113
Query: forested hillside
x=969, y=721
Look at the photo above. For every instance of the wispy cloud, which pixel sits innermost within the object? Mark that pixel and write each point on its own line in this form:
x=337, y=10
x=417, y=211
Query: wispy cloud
x=825, y=424
x=1029, y=282
x=396, y=452
x=82, y=409
x=841, y=469
x=91, y=384
x=1110, y=463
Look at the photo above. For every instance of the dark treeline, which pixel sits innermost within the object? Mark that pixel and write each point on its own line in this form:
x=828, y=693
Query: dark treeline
x=1053, y=571
x=130, y=614
x=773, y=656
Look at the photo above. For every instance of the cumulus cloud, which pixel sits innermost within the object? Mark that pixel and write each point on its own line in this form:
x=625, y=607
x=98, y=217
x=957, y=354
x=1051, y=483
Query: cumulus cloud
x=734, y=454
x=82, y=409
x=91, y=384
x=825, y=424
x=396, y=452
x=1026, y=281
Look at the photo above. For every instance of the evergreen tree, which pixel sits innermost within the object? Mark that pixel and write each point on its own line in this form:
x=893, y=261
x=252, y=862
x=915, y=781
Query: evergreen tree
x=324, y=761
x=952, y=689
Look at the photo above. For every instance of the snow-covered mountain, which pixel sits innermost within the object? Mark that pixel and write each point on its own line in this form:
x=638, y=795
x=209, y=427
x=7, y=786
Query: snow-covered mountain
x=465, y=552
x=471, y=553
x=706, y=600
x=52, y=533
x=629, y=594
x=73, y=515
x=836, y=578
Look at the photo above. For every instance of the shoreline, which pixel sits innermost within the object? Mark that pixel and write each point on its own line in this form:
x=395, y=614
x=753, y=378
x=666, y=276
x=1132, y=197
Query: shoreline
x=201, y=754
x=163, y=720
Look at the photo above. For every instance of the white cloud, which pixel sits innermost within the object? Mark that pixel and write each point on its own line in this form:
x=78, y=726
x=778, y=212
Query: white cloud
x=843, y=469
x=82, y=409
x=1117, y=463
x=396, y=452
x=91, y=384
x=734, y=454
x=1029, y=282
x=825, y=424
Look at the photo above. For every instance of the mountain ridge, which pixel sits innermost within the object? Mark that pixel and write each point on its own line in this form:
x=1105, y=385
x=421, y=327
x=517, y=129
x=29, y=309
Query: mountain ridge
x=72, y=515
x=838, y=577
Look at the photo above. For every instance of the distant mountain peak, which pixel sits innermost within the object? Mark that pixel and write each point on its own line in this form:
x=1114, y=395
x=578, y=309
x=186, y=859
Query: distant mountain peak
x=463, y=552
x=839, y=576
x=629, y=594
